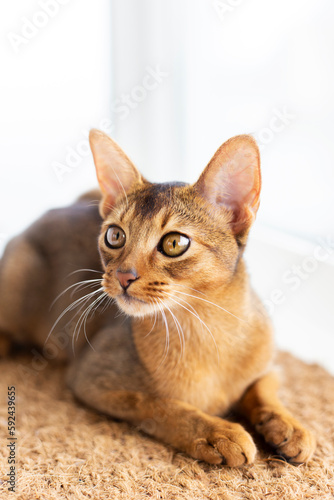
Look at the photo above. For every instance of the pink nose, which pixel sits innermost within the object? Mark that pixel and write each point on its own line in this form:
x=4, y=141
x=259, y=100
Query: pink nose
x=126, y=278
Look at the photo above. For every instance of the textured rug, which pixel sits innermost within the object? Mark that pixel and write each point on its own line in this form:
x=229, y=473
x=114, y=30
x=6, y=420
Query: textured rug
x=64, y=450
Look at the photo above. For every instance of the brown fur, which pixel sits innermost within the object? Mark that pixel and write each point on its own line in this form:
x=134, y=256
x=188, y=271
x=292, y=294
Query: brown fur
x=175, y=384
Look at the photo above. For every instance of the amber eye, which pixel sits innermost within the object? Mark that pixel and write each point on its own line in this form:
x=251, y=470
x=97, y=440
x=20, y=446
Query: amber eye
x=115, y=237
x=174, y=244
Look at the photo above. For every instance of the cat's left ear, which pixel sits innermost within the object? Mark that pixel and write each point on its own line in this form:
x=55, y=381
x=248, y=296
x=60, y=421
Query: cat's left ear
x=115, y=172
x=232, y=180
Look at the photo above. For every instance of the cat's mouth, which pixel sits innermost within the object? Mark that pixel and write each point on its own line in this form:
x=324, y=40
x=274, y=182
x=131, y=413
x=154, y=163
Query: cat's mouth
x=130, y=304
x=133, y=306
x=130, y=299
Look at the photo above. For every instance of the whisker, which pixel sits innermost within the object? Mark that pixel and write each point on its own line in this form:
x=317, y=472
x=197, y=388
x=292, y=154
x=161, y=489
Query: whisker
x=189, y=288
x=179, y=329
x=167, y=334
x=166, y=337
x=155, y=320
x=108, y=303
x=212, y=303
x=199, y=319
x=69, y=308
x=79, y=284
x=120, y=313
x=82, y=287
x=82, y=321
x=85, y=270
x=191, y=307
x=92, y=311
x=94, y=203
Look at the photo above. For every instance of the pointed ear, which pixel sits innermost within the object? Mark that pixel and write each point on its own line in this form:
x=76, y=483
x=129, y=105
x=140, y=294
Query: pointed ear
x=115, y=172
x=232, y=180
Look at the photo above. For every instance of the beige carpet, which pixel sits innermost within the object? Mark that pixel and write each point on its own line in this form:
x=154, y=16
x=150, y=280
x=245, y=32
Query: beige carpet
x=67, y=451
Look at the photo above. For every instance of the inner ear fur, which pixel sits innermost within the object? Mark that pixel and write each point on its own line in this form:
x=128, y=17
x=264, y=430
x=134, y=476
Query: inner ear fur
x=232, y=180
x=116, y=174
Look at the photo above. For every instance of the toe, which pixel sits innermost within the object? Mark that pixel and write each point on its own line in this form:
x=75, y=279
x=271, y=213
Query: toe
x=275, y=430
x=299, y=448
x=202, y=450
x=236, y=446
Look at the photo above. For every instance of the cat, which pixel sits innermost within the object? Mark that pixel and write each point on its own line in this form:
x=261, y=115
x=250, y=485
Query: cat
x=180, y=337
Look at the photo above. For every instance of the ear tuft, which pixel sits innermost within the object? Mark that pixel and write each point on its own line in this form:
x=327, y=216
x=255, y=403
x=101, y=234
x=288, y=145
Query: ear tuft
x=116, y=173
x=232, y=179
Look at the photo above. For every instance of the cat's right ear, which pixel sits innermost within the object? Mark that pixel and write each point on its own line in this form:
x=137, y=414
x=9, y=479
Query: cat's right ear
x=116, y=174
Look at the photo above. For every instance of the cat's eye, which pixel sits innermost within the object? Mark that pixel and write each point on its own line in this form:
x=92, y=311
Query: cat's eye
x=115, y=237
x=174, y=244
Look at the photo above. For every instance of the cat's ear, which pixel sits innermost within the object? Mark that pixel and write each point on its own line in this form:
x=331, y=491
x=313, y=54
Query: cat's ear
x=232, y=180
x=116, y=174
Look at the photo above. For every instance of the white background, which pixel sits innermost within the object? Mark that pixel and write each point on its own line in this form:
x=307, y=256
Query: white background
x=229, y=67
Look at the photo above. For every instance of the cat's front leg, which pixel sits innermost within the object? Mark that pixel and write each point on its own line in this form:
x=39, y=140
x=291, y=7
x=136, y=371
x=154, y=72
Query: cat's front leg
x=279, y=428
x=112, y=379
x=179, y=424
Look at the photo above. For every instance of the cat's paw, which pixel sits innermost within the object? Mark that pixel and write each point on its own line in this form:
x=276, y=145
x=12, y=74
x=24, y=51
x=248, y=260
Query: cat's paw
x=286, y=435
x=224, y=443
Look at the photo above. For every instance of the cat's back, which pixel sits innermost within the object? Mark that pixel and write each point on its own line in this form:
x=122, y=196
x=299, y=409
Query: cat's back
x=68, y=234
x=53, y=253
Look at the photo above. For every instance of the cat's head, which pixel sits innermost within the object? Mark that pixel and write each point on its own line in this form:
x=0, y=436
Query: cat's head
x=161, y=243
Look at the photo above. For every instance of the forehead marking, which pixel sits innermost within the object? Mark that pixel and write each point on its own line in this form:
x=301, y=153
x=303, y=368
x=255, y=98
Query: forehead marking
x=150, y=200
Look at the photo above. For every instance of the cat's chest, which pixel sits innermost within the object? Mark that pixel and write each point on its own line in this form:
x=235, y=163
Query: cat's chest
x=202, y=390
x=202, y=373
x=197, y=383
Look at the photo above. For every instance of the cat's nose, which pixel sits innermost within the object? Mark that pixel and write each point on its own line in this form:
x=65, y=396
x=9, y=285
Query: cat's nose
x=125, y=278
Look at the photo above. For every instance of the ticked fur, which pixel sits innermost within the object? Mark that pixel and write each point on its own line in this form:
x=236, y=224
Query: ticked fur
x=196, y=340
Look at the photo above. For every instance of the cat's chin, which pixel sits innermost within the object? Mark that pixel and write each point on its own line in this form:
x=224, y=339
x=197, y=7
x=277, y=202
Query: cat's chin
x=134, y=307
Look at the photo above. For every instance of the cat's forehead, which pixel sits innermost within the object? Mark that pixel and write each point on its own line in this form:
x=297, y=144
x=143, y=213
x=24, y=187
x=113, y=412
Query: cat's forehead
x=153, y=200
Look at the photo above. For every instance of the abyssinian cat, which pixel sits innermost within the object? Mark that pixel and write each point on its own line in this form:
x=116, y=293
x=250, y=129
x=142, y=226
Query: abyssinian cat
x=193, y=339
